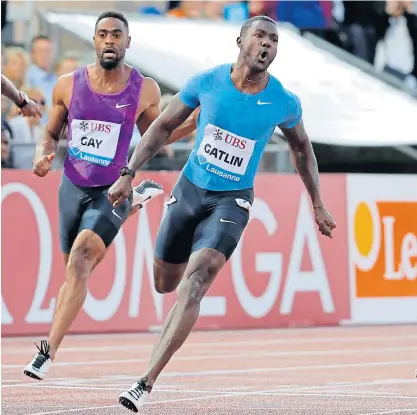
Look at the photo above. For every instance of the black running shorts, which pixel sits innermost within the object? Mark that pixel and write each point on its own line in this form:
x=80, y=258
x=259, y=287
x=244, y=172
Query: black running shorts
x=198, y=218
x=88, y=208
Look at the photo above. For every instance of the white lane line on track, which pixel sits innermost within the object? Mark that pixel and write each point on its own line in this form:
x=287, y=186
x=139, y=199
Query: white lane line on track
x=269, y=370
x=253, y=355
x=219, y=344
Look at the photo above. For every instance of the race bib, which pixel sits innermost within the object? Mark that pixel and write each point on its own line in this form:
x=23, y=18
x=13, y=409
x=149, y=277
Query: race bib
x=225, y=150
x=94, y=141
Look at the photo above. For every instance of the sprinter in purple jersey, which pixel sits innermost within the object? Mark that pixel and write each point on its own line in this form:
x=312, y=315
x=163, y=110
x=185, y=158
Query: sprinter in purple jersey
x=100, y=103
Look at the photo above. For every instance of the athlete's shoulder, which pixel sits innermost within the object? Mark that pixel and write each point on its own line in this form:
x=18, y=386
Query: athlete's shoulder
x=280, y=89
x=63, y=87
x=150, y=91
x=65, y=80
x=286, y=97
x=288, y=107
x=211, y=73
x=151, y=86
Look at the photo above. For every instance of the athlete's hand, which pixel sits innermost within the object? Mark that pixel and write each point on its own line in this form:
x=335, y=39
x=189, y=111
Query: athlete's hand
x=120, y=190
x=31, y=109
x=42, y=165
x=324, y=221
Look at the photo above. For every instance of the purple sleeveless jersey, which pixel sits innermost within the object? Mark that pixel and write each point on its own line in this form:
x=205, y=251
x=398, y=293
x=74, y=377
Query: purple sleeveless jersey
x=100, y=128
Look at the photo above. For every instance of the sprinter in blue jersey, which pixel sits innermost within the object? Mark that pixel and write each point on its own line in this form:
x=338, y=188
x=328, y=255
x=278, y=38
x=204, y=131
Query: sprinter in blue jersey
x=240, y=106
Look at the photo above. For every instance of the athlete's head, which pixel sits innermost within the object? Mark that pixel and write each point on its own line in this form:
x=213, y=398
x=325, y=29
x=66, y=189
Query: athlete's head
x=111, y=39
x=258, y=42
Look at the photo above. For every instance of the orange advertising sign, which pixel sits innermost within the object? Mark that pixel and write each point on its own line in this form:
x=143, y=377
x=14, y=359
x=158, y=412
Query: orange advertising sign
x=382, y=227
x=385, y=234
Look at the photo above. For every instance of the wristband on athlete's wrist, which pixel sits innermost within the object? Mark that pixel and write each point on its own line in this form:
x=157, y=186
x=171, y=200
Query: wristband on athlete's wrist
x=23, y=100
x=125, y=171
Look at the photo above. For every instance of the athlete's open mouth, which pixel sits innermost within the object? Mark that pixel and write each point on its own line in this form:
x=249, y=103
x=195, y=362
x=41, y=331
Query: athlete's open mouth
x=263, y=56
x=109, y=53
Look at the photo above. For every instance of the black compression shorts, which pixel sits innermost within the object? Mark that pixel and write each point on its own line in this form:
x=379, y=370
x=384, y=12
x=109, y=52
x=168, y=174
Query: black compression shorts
x=88, y=208
x=198, y=218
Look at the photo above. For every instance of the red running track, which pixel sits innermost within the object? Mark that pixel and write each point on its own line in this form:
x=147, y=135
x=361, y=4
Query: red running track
x=319, y=371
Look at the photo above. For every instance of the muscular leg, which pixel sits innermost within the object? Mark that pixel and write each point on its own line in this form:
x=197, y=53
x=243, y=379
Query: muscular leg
x=210, y=225
x=88, y=250
x=201, y=271
x=167, y=277
x=61, y=292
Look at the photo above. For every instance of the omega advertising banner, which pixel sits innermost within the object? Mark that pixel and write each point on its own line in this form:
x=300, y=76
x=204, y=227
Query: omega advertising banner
x=283, y=273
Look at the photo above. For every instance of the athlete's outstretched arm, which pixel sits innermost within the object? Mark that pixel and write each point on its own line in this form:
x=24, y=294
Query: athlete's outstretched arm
x=305, y=162
x=9, y=90
x=45, y=150
x=31, y=109
x=157, y=135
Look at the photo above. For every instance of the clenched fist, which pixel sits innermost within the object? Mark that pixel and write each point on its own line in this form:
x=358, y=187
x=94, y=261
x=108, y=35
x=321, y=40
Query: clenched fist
x=42, y=165
x=324, y=221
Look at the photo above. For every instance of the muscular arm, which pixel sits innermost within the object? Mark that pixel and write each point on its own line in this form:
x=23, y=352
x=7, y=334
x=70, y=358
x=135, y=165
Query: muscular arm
x=159, y=132
x=153, y=111
x=57, y=117
x=185, y=129
x=304, y=159
x=9, y=90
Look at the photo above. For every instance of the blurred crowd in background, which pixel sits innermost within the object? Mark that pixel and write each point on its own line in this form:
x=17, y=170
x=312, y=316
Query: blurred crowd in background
x=383, y=34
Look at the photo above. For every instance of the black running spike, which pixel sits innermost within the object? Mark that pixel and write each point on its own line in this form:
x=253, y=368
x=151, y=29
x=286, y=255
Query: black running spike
x=31, y=375
x=127, y=404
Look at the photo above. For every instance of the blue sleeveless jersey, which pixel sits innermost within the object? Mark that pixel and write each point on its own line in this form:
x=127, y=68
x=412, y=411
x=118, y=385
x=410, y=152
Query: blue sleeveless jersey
x=233, y=128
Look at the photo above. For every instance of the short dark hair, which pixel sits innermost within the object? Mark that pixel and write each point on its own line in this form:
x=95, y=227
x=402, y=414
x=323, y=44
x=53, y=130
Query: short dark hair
x=114, y=15
x=248, y=24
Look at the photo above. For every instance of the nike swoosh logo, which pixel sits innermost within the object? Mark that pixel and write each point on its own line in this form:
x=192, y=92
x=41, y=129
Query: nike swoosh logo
x=143, y=201
x=115, y=214
x=263, y=103
x=227, y=221
x=121, y=106
x=170, y=201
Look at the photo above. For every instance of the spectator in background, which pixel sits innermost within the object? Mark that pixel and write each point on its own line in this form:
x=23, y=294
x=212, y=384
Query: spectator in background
x=69, y=63
x=265, y=8
x=400, y=39
x=305, y=15
x=187, y=10
x=16, y=65
x=364, y=24
x=40, y=74
x=27, y=131
x=236, y=11
x=214, y=10
x=411, y=16
x=5, y=148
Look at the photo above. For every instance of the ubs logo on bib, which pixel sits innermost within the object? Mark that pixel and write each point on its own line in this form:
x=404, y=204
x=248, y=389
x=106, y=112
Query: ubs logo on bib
x=95, y=126
x=229, y=139
x=225, y=150
x=102, y=128
x=94, y=141
x=217, y=134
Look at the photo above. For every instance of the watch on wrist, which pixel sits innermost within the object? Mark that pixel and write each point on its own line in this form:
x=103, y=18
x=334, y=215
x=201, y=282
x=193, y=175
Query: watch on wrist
x=24, y=100
x=125, y=171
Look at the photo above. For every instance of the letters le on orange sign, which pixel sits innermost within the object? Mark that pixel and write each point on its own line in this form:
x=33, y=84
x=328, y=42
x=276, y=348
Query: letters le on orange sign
x=385, y=234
